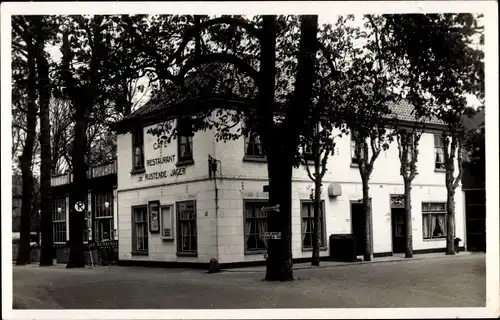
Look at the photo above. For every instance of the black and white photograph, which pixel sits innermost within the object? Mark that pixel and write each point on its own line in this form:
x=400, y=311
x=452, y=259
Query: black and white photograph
x=235, y=160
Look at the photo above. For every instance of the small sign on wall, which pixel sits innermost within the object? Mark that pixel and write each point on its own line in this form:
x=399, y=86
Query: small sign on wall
x=154, y=216
x=167, y=221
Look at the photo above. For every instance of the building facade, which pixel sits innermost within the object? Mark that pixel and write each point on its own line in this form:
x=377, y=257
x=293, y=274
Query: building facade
x=169, y=210
x=100, y=209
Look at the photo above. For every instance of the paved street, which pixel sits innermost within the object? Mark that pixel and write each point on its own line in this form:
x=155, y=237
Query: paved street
x=439, y=282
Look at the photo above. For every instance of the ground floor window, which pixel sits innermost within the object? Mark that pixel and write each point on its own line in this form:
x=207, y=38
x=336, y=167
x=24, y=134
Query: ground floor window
x=434, y=220
x=103, y=229
x=186, y=217
x=255, y=225
x=59, y=220
x=140, y=234
x=307, y=214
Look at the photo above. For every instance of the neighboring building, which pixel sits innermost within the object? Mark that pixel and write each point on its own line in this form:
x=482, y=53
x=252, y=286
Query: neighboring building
x=100, y=209
x=474, y=182
x=169, y=210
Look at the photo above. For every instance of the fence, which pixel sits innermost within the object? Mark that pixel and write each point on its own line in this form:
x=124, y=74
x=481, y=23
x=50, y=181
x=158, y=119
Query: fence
x=102, y=253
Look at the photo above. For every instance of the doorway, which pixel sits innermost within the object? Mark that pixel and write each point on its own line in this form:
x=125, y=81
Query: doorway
x=398, y=230
x=358, y=227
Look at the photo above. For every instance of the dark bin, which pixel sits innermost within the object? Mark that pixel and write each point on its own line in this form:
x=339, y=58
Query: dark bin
x=456, y=242
x=342, y=247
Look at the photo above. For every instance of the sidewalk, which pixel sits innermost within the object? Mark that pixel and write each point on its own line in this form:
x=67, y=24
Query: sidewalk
x=381, y=283
x=326, y=264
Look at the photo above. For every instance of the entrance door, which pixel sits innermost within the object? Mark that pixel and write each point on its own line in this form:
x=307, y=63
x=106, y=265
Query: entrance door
x=475, y=210
x=398, y=230
x=358, y=227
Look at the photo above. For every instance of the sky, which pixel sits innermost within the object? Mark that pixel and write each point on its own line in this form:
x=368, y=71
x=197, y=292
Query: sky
x=56, y=55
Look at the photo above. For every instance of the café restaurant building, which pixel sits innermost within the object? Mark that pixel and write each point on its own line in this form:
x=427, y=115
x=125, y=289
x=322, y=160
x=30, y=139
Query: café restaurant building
x=172, y=210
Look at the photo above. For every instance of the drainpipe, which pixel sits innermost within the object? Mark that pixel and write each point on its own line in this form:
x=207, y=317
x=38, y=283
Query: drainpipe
x=212, y=170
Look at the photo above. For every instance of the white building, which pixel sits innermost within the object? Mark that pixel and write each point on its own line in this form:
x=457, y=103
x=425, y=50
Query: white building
x=169, y=210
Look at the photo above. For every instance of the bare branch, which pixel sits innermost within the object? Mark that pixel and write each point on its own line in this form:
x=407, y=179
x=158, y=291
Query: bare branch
x=221, y=57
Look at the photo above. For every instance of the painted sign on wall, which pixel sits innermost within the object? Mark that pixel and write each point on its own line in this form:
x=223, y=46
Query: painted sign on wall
x=175, y=172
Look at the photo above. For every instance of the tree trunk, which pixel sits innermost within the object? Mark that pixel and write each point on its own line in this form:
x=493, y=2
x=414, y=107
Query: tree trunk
x=408, y=231
x=23, y=256
x=47, y=253
x=79, y=192
x=279, y=265
x=450, y=222
x=367, y=208
x=317, y=208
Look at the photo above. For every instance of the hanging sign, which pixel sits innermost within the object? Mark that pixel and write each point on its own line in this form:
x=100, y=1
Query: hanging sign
x=275, y=208
x=79, y=206
x=271, y=235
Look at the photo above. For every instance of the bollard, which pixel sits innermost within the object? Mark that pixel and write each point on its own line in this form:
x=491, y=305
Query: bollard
x=456, y=242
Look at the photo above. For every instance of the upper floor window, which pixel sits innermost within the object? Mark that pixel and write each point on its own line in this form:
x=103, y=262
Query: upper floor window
x=138, y=149
x=308, y=149
x=439, y=152
x=354, y=159
x=185, y=139
x=253, y=145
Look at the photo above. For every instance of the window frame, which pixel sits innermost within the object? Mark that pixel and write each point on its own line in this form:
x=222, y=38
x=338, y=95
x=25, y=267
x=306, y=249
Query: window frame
x=138, y=141
x=98, y=206
x=180, y=251
x=136, y=251
x=438, y=145
x=61, y=222
x=310, y=203
x=431, y=213
x=183, y=160
x=247, y=251
x=354, y=159
x=250, y=138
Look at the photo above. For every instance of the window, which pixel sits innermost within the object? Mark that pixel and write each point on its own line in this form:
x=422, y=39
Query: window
x=253, y=145
x=354, y=159
x=434, y=220
x=185, y=140
x=307, y=213
x=308, y=150
x=103, y=215
x=59, y=220
x=138, y=149
x=255, y=224
x=140, y=235
x=167, y=222
x=186, y=217
x=439, y=152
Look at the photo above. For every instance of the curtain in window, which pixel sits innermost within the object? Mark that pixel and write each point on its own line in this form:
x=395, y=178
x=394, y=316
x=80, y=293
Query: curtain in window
x=439, y=156
x=433, y=224
x=248, y=227
x=249, y=150
x=261, y=224
x=185, y=236
x=304, y=221
x=426, y=230
x=258, y=146
x=441, y=222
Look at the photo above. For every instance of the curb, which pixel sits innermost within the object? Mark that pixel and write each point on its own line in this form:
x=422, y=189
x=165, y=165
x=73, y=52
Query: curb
x=347, y=264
